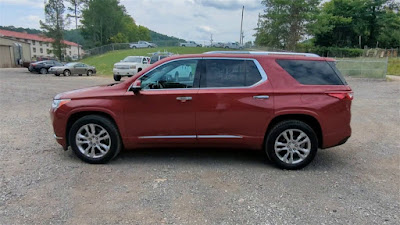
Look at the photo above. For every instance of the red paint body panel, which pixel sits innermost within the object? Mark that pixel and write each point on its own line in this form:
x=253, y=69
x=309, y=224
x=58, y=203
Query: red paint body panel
x=231, y=112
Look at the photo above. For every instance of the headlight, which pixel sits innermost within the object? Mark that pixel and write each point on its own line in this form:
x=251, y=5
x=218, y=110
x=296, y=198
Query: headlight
x=57, y=103
x=133, y=67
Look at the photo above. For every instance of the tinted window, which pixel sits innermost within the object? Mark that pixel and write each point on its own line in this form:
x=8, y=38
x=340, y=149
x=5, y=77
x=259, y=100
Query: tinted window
x=176, y=74
x=311, y=72
x=230, y=73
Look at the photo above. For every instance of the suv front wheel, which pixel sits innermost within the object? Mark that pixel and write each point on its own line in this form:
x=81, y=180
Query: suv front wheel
x=95, y=139
x=291, y=144
x=117, y=77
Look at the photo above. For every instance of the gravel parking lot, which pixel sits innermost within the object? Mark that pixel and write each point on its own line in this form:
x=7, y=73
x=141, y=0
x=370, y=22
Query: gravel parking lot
x=356, y=183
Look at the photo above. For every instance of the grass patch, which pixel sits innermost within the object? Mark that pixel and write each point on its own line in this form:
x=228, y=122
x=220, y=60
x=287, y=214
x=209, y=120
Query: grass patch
x=394, y=66
x=104, y=63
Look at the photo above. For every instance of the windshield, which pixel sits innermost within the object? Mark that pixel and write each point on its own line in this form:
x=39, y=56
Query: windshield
x=132, y=59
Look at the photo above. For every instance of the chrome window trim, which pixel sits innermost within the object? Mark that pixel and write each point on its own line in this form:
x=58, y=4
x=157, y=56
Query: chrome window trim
x=261, y=70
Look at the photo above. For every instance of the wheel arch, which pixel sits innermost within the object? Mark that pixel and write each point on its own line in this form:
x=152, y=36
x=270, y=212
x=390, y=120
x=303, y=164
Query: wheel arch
x=308, y=119
x=77, y=115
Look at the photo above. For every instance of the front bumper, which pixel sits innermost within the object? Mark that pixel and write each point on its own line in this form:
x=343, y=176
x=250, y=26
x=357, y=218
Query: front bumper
x=59, y=122
x=124, y=72
x=54, y=71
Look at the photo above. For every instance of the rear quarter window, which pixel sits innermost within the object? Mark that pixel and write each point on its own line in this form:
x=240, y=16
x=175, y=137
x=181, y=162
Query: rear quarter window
x=312, y=72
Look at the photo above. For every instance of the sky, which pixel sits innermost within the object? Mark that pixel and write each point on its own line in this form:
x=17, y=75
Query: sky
x=192, y=20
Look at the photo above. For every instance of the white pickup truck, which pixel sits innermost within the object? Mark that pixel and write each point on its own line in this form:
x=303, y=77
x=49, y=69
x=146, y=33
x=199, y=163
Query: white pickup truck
x=190, y=44
x=142, y=44
x=130, y=66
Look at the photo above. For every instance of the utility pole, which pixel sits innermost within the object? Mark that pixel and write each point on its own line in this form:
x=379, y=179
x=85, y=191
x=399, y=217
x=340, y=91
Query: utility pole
x=241, y=29
x=211, y=40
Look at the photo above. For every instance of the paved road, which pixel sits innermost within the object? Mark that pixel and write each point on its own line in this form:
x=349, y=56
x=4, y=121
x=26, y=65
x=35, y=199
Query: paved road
x=356, y=183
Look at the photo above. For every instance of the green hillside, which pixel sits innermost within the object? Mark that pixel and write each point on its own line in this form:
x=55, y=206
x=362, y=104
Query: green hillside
x=164, y=40
x=104, y=63
x=76, y=36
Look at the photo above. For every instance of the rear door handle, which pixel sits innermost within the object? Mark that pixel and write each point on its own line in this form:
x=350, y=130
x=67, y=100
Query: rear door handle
x=184, y=99
x=261, y=97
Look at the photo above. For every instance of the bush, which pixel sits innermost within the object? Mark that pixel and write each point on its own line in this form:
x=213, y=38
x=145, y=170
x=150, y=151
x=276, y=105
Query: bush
x=330, y=51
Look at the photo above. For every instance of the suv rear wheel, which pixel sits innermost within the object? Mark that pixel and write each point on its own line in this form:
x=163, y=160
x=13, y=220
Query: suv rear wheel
x=291, y=144
x=95, y=139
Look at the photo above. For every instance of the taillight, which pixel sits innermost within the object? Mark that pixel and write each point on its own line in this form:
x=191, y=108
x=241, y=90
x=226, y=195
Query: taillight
x=345, y=95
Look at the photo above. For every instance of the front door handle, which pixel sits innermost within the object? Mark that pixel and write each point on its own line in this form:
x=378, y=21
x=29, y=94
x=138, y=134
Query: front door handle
x=261, y=97
x=184, y=99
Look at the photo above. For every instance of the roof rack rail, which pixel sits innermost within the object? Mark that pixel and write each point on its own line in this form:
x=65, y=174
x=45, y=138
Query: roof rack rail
x=263, y=53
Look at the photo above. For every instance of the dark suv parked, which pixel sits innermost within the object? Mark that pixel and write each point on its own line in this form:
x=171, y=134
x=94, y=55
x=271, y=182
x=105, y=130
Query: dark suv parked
x=43, y=66
x=287, y=104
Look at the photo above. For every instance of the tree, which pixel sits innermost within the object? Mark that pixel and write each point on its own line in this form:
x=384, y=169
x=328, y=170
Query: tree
x=54, y=25
x=76, y=9
x=285, y=22
x=106, y=21
x=355, y=23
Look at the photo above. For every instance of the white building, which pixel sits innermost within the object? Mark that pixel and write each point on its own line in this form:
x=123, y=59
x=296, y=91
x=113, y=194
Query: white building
x=41, y=46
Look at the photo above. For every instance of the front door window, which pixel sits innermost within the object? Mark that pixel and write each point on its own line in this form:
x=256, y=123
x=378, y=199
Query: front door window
x=176, y=74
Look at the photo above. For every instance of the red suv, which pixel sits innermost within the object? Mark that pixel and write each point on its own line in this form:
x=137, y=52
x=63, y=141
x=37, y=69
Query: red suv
x=287, y=104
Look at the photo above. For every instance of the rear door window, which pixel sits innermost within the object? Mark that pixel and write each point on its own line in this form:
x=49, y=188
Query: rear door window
x=229, y=73
x=312, y=72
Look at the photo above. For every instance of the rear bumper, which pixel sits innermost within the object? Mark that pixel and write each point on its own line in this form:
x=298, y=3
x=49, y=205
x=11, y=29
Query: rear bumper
x=337, y=138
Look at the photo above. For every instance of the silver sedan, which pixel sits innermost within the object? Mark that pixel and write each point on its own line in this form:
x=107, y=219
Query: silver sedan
x=73, y=68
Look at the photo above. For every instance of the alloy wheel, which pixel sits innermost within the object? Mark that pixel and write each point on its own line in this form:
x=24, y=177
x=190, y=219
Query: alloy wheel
x=292, y=146
x=93, y=140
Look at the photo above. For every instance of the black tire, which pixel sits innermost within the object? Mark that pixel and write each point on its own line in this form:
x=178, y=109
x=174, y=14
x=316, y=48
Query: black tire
x=67, y=73
x=140, y=69
x=130, y=75
x=43, y=71
x=183, y=45
x=57, y=75
x=79, y=74
x=117, y=77
x=89, y=73
x=109, y=126
x=279, y=129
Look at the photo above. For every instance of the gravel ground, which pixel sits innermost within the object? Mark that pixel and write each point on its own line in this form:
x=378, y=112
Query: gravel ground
x=356, y=183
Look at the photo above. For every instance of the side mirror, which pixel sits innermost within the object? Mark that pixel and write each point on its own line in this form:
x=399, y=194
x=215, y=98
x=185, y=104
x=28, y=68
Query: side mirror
x=136, y=86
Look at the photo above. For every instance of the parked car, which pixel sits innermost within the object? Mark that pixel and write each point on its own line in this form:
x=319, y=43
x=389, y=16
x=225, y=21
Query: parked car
x=43, y=67
x=218, y=45
x=130, y=66
x=73, y=68
x=142, y=44
x=233, y=45
x=157, y=56
x=190, y=44
x=285, y=104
